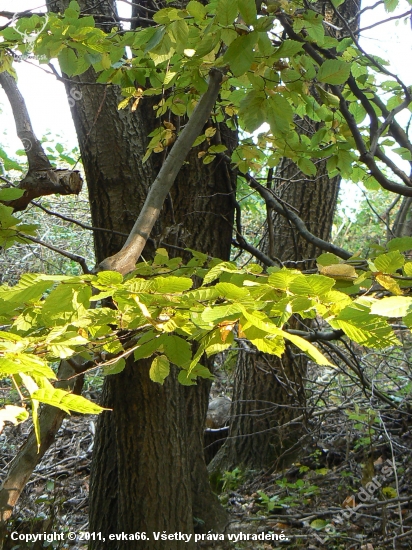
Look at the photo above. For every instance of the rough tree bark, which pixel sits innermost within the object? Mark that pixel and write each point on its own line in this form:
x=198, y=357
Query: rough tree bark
x=268, y=391
x=148, y=471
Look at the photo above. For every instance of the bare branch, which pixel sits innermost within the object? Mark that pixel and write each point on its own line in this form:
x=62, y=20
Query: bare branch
x=78, y=259
x=125, y=260
x=41, y=178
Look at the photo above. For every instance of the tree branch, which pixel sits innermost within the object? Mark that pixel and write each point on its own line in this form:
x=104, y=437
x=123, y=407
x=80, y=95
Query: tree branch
x=125, y=260
x=29, y=456
x=41, y=178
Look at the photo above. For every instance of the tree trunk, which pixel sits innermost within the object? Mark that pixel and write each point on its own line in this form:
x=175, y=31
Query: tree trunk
x=148, y=470
x=268, y=391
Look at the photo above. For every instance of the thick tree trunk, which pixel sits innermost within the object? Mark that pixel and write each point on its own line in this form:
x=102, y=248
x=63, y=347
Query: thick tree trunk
x=148, y=471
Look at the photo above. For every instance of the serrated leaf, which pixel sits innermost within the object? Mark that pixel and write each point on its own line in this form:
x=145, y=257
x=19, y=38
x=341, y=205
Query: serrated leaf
x=306, y=166
x=389, y=283
x=14, y=363
x=66, y=401
x=226, y=12
x=403, y=244
x=390, y=262
x=308, y=348
x=240, y=55
x=248, y=11
x=392, y=306
x=148, y=348
x=68, y=61
x=177, y=350
x=288, y=48
x=318, y=524
x=171, y=285
x=196, y=9
x=334, y=71
x=160, y=369
x=364, y=328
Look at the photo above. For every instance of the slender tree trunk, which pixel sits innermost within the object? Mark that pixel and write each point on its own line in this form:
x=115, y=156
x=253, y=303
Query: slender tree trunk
x=148, y=471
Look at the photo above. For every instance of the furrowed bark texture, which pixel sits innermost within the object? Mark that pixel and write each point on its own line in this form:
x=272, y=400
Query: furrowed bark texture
x=269, y=391
x=148, y=471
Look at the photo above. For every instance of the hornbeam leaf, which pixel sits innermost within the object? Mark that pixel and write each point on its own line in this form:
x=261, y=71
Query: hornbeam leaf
x=159, y=369
x=66, y=401
x=68, y=61
x=196, y=9
x=334, y=71
x=393, y=306
x=240, y=53
x=308, y=348
x=14, y=363
x=226, y=12
x=390, y=262
x=248, y=11
x=170, y=285
x=177, y=350
x=364, y=328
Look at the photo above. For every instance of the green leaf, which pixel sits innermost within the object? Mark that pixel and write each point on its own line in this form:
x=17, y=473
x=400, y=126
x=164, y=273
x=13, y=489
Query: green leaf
x=403, y=244
x=318, y=524
x=13, y=363
x=248, y=11
x=169, y=285
x=147, y=349
x=306, y=166
x=364, y=328
x=288, y=48
x=66, y=401
x=392, y=306
x=226, y=12
x=159, y=369
x=10, y=193
x=334, y=71
x=13, y=414
x=68, y=61
x=196, y=9
x=177, y=350
x=390, y=262
x=240, y=54
x=114, y=368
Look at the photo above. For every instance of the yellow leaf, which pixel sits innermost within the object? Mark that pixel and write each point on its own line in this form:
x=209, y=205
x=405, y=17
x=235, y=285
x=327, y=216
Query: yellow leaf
x=210, y=132
x=123, y=104
x=201, y=154
x=229, y=110
x=340, y=272
x=390, y=284
x=169, y=125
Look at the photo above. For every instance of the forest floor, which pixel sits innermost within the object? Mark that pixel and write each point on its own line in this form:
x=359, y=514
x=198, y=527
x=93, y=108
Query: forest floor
x=340, y=495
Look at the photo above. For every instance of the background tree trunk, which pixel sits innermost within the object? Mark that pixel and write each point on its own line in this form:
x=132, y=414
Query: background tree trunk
x=148, y=470
x=268, y=391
